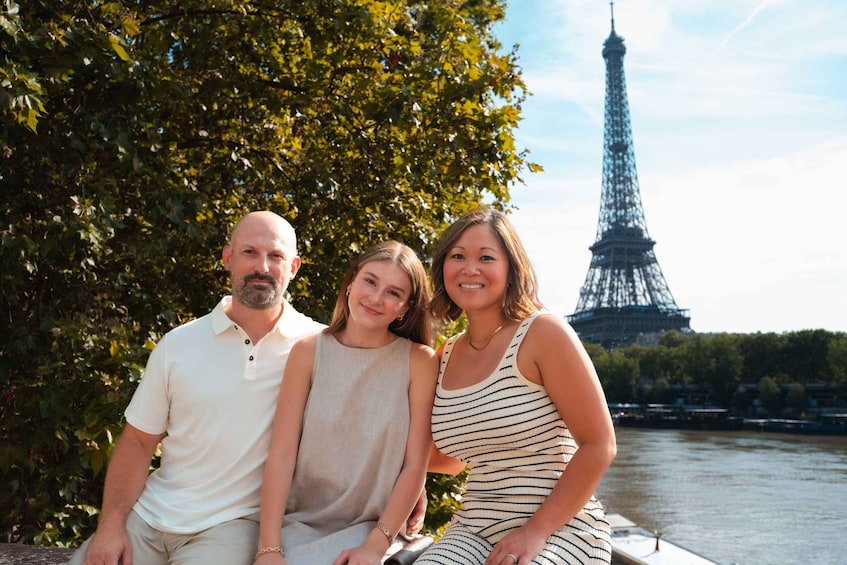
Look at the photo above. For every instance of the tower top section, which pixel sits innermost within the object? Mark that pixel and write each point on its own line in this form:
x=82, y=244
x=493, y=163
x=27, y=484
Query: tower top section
x=613, y=46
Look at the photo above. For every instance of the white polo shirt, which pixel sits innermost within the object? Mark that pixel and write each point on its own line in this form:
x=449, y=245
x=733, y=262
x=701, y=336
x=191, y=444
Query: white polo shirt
x=213, y=392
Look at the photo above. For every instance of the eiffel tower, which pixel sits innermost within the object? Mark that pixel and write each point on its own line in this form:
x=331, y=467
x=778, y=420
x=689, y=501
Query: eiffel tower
x=625, y=297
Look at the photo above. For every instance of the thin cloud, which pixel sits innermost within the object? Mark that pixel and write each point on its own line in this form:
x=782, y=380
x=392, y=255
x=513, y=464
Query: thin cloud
x=741, y=26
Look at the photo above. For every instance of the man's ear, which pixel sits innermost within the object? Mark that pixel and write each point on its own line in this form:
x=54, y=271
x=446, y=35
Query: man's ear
x=226, y=255
x=295, y=266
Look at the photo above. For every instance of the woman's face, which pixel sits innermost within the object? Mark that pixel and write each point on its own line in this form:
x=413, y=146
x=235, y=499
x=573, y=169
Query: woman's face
x=476, y=270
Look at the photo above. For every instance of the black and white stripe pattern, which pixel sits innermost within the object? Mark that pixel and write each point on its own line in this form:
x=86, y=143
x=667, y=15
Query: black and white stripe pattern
x=509, y=431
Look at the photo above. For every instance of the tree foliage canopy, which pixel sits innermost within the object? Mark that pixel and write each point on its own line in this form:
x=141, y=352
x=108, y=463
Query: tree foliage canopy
x=133, y=134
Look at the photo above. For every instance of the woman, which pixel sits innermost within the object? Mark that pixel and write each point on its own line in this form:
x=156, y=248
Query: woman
x=517, y=399
x=351, y=440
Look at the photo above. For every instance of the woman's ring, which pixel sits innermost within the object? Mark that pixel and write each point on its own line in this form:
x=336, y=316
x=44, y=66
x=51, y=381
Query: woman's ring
x=513, y=556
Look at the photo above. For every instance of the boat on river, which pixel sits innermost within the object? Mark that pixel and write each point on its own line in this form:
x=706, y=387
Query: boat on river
x=634, y=545
x=673, y=416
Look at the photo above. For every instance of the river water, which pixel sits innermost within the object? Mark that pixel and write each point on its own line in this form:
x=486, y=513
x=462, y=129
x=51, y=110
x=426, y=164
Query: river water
x=742, y=497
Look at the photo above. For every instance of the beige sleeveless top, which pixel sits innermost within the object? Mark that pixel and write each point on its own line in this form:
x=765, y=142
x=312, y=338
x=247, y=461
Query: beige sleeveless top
x=354, y=439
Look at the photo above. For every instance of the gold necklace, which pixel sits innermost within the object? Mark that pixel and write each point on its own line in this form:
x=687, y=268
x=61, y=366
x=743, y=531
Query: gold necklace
x=487, y=340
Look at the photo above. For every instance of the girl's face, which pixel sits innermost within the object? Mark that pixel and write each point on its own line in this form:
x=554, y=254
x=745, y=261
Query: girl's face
x=476, y=270
x=378, y=294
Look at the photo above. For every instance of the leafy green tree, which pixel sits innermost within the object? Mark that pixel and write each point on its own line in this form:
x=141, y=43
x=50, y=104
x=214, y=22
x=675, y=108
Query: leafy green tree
x=726, y=371
x=769, y=395
x=697, y=360
x=71, y=348
x=151, y=127
x=714, y=363
x=796, y=398
x=659, y=362
x=806, y=355
x=595, y=351
x=618, y=374
x=763, y=354
x=661, y=391
x=21, y=87
x=673, y=339
x=741, y=402
x=837, y=362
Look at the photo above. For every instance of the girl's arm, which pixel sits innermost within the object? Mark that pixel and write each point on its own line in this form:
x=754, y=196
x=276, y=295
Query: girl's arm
x=553, y=355
x=285, y=441
x=410, y=482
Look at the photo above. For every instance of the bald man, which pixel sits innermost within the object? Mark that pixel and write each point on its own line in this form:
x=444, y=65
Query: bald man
x=208, y=395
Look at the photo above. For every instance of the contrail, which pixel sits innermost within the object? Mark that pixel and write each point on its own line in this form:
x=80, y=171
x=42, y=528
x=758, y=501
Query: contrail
x=743, y=24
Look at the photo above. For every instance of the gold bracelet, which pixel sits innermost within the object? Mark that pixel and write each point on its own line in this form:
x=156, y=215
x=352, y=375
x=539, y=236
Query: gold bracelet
x=384, y=529
x=265, y=550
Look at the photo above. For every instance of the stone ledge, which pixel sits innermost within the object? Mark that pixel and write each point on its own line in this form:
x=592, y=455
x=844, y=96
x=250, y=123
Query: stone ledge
x=22, y=554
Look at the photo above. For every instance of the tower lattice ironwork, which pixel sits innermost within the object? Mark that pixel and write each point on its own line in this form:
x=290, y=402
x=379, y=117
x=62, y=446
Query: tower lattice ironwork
x=625, y=294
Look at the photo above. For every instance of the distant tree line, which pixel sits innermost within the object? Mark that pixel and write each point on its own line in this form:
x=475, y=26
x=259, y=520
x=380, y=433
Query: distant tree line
x=734, y=371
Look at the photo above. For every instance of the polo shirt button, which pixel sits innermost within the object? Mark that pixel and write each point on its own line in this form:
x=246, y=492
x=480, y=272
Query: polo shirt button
x=247, y=341
x=251, y=358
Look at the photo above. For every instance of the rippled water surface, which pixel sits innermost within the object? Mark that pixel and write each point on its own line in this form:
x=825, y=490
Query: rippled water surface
x=735, y=497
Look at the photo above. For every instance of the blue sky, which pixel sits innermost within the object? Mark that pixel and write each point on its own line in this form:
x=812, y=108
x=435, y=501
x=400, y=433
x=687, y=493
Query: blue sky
x=739, y=116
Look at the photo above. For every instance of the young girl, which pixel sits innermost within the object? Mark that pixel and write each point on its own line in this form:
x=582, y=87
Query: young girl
x=518, y=399
x=351, y=439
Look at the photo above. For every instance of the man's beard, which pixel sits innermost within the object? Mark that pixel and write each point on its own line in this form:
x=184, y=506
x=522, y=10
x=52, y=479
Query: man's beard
x=255, y=297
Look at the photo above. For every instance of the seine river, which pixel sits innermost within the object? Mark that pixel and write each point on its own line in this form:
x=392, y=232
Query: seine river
x=741, y=497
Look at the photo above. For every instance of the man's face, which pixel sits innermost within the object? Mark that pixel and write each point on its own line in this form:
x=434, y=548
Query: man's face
x=261, y=259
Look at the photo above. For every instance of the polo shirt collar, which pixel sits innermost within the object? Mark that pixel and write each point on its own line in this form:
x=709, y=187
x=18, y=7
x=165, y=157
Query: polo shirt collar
x=286, y=325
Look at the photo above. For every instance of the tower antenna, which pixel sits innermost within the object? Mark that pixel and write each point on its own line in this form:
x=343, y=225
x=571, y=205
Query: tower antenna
x=612, y=6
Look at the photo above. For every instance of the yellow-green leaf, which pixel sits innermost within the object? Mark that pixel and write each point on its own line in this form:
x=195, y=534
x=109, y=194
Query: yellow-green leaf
x=118, y=48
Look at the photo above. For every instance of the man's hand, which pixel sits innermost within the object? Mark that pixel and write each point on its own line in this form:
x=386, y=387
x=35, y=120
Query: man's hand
x=108, y=547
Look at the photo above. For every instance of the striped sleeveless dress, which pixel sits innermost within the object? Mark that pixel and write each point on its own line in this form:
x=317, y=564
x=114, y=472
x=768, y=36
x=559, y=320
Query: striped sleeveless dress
x=509, y=431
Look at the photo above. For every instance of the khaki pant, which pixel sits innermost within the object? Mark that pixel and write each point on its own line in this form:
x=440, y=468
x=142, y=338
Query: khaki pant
x=230, y=543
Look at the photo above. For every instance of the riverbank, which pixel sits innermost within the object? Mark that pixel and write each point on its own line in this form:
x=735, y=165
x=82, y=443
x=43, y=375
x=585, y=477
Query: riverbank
x=680, y=417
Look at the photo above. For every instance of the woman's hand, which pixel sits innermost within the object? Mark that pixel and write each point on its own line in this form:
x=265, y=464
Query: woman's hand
x=415, y=522
x=361, y=555
x=518, y=547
